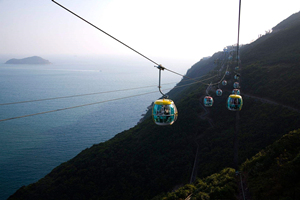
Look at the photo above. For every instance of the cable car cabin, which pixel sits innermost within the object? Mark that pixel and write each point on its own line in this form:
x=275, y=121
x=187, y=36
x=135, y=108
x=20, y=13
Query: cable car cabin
x=236, y=91
x=236, y=85
x=224, y=82
x=236, y=77
x=234, y=102
x=227, y=73
x=237, y=68
x=219, y=92
x=208, y=101
x=164, y=112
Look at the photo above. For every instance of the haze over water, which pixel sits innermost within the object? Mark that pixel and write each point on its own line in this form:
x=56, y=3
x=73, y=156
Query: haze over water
x=31, y=147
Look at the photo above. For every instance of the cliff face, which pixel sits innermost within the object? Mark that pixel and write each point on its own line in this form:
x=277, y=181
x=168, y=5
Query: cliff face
x=148, y=160
x=34, y=60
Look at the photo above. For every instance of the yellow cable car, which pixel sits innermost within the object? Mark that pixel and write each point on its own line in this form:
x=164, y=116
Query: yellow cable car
x=164, y=112
x=234, y=102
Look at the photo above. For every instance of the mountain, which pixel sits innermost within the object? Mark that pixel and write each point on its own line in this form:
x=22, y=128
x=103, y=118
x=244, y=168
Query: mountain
x=147, y=161
x=34, y=60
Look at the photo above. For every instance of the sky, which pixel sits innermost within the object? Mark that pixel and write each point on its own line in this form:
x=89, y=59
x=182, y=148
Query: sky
x=159, y=29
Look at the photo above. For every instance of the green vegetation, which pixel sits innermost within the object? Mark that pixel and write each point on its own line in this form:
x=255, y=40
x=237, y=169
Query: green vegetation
x=274, y=173
x=148, y=160
x=220, y=185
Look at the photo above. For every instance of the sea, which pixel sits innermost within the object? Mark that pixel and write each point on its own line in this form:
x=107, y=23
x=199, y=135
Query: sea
x=31, y=146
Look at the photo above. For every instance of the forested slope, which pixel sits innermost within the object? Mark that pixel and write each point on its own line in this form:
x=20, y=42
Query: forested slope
x=273, y=173
x=271, y=64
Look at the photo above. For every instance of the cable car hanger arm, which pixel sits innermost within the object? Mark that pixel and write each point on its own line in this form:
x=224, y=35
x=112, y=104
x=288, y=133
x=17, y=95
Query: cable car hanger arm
x=160, y=67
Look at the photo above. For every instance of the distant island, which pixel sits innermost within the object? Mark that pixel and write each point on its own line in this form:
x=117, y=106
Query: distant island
x=34, y=60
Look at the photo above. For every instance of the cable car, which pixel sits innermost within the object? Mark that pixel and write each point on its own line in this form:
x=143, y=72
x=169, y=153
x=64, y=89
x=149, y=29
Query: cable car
x=224, y=82
x=237, y=77
x=208, y=101
x=164, y=112
x=236, y=85
x=237, y=68
x=234, y=102
x=219, y=92
x=236, y=91
x=227, y=73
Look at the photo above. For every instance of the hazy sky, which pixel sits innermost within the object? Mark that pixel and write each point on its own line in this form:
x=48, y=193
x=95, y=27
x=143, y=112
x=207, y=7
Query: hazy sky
x=189, y=29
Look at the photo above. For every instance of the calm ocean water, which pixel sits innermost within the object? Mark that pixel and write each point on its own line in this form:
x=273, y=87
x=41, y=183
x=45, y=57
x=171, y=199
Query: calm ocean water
x=31, y=147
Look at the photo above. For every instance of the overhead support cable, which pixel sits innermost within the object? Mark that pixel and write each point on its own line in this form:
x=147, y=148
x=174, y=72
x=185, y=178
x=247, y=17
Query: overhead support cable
x=89, y=104
x=115, y=38
x=68, y=108
x=238, y=38
x=96, y=93
x=105, y=33
x=120, y=41
x=237, y=123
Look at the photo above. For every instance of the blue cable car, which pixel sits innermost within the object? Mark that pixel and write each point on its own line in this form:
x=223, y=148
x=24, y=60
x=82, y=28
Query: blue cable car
x=237, y=68
x=236, y=85
x=236, y=77
x=219, y=92
x=164, y=112
x=208, y=101
x=236, y=91
x=224, y=82
x=234, y=102
x=227, y=72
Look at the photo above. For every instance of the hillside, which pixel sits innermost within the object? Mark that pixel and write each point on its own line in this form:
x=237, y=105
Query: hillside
x=34, y=60
x=273, y=173
x=221, y=185
x=149, y=160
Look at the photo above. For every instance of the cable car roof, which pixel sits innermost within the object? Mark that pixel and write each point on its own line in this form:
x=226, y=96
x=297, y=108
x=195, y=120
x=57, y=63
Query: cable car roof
x=235, y=96
x=163, y=102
